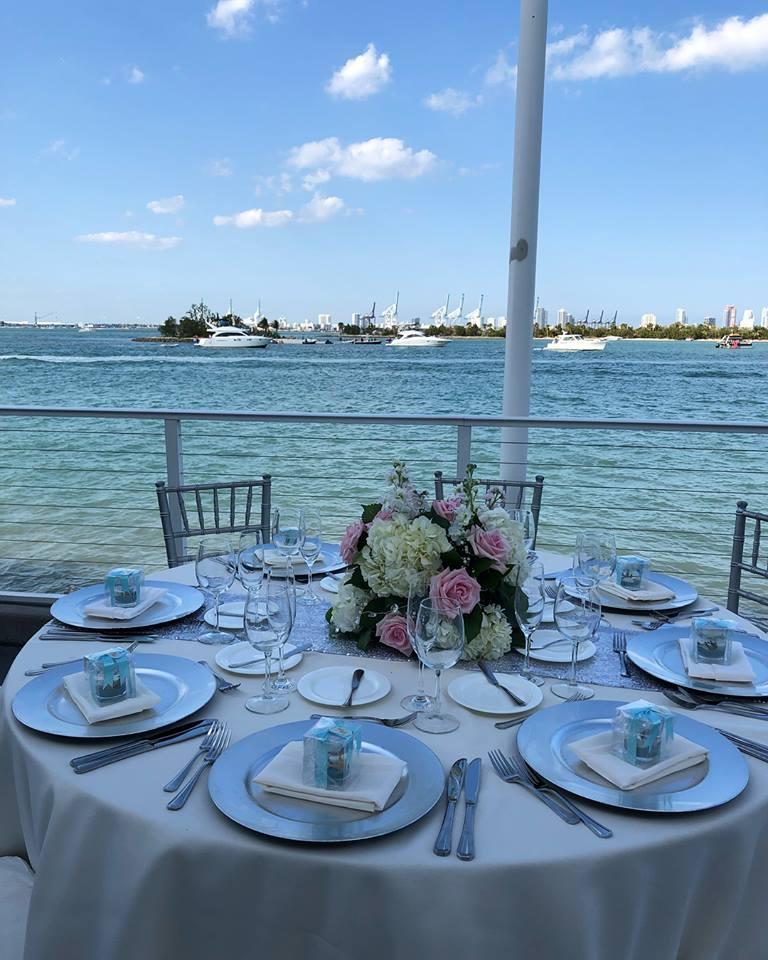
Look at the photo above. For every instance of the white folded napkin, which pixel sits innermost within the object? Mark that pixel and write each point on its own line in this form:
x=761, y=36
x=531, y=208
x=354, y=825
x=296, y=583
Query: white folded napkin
x=77, y=687
x=103, y=609
x=376, y=776
x=276, y=559
x=739, y=670
x=654, y=591
x=596, y=752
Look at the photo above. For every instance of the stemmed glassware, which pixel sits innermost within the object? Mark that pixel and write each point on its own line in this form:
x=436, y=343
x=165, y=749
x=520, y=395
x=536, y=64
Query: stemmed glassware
x=281, y=682
x=215, y=571
x=594, y=558
x=439, y=642
x=419, y=701
x=525, y=518
x=577, y=615
x=530, y=600
x=288, y=534
x=250, y=559
x=310, y=549
x=267, y=624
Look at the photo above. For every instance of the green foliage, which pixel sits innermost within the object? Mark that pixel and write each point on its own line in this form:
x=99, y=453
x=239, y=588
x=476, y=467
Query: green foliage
x=369, y=511
x=357, y=579
x=452, y=558
x=472, y=624
x=263, y=324
x=169, y=327
x=436, y=518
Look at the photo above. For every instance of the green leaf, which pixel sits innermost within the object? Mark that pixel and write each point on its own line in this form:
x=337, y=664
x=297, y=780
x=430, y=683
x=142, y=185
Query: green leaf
x=357, y=579
x=452, y=558
x=472, y=623
x=480, y=566
x=329, y=615
x=436, y=518
x=369, y=511
x=490, y=580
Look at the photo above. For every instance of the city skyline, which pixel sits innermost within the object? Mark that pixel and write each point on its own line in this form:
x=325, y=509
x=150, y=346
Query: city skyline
x=315, y=157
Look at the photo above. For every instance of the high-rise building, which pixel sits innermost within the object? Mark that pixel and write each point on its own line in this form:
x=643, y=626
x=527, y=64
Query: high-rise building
x=681, y=316
x=648, y=320
x=710, y=321
x=355, y=319
x=540, y=317
x=764, y=317
x=747, y=320
x=562, y=317
x=324, y=321
x=729, y=315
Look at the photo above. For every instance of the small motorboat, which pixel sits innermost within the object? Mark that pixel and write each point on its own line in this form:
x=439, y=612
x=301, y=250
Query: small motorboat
x=415, y=338
x=732, y=341
x=571, y=342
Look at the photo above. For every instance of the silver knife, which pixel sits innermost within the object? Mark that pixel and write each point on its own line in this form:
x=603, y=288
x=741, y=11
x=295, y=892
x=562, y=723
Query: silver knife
x=301, y=648
x=466, y=847
x=444, y=840
x=490, y=676
x=101, y=758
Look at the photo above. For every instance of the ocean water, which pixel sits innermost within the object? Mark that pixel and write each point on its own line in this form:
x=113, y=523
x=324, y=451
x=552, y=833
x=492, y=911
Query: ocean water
x=78, y=495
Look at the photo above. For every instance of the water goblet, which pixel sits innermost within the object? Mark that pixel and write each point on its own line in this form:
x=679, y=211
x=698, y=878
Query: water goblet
x=528, y=523
x=419, y=701
x=266, y=616
x=439, y=642
x=282, y=682
x=250, y=559
x=287, y=534
x=594, y=558
x=215, y=571
x=530, y=600
x=310, y=550
x=577, y=615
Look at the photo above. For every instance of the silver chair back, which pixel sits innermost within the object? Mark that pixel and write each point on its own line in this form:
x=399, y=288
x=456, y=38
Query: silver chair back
x=747, y=556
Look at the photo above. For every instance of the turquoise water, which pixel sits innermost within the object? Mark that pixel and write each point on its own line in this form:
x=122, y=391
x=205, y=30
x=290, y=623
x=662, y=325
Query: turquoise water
x=77, y=495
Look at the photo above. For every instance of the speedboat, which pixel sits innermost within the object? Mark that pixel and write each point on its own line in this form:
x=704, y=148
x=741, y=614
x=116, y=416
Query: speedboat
x=232, y=337
x=732, y=341
x=415, y=338
x=574, y=341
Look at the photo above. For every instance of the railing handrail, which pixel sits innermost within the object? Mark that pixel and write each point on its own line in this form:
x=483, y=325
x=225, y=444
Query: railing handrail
x=414, y=419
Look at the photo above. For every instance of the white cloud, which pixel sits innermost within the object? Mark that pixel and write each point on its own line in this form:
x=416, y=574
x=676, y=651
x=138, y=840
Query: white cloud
x=7, y=201
x=60, y=148
x=361, y=76
x=452, y=101
x=220, y=168
x=132, y=238
x=313, y=180
x=255, y=218
x=733, y=44
x=321, y=208
x=278, y=184
x=135, y=75
x=168, y=205
x=234, y=17
x=380, y=158
x=501, y=73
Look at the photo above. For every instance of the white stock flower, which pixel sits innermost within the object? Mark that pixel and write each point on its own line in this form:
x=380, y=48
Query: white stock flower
x=494, y=638
x=400, y=552
x=347, y=607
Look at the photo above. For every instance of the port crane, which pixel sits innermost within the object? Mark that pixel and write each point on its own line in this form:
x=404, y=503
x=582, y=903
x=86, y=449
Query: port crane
x=440, y=314
x=457, y=314
x=389, y=316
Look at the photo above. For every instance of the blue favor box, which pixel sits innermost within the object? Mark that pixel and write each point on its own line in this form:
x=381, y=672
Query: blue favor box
x=632, y=572
x=711, y=640
x=123, y=586
x=642, y=731
x=330, y=749
x=111, y=675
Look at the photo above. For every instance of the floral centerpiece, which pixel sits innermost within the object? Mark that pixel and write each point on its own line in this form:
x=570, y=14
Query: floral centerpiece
x=466, y=548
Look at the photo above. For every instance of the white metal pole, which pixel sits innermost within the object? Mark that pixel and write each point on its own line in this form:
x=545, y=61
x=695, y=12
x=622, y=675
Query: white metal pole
x=529, y=109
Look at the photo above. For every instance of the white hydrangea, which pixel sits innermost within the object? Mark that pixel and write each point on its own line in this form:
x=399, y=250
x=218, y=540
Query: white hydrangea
x=494, y=638
x=400, y=552
x=462, y=521
x=347, y=607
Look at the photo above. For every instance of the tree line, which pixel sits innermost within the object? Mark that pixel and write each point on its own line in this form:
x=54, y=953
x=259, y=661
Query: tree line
x=198, y=320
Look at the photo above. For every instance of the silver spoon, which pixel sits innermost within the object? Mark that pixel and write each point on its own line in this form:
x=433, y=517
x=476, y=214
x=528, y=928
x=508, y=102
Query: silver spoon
x=357, y=676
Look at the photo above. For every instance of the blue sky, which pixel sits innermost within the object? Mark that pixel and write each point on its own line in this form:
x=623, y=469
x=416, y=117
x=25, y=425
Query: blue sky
x=322, y=154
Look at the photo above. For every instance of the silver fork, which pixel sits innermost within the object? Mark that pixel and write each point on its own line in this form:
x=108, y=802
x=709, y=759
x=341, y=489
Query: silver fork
x=506, y=724
x=733, y=709
x=213, y=753
x=208, y=740
x=550, y=591
x=620, y=648
x=595, y=826
x=62, y=663
x=222, y=684
x=505, y=771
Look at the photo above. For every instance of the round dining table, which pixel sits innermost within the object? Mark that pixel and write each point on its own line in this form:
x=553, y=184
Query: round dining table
x=120, y=877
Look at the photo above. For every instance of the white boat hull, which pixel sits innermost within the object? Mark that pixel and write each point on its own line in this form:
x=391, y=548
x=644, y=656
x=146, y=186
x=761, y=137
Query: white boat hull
x=577, y=347
x=259, y=343
x=427, y=342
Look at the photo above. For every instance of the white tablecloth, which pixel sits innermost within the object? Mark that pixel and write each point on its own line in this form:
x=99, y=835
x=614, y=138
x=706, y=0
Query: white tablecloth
x=121, y=878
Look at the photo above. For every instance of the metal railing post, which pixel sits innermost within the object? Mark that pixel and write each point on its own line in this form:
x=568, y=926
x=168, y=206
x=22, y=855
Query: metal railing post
x=174, y=471
x=463, y=448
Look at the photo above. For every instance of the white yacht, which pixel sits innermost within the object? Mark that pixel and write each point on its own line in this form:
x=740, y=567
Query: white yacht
x=415, y=338
x=230, y=337
x=575, y=341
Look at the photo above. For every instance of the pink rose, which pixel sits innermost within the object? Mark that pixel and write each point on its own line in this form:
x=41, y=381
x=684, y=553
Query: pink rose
x=456, y=585
x=392, y=631
x=491, y=544
x=350, y=540
x=385, y=514
x=446, y=508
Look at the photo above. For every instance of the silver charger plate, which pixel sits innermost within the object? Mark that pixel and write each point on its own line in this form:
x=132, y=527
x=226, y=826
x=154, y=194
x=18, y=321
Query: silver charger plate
x=178, y=602
x=232, y=789
x=685, y=595
x=183, y=686
x=545, y=739
x=330, y=562
x=658, y=653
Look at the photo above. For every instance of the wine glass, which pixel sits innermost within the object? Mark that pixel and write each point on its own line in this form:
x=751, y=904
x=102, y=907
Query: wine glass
x=281, y=682
x=439, y=642
x=310, y=550
x=215, y=571
x=267, y=621
x=419, y=701
x=577, y=615
x=250, y=559
x=526, y=519
x=530, y=600
x=287, y=534
x=594, y=558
